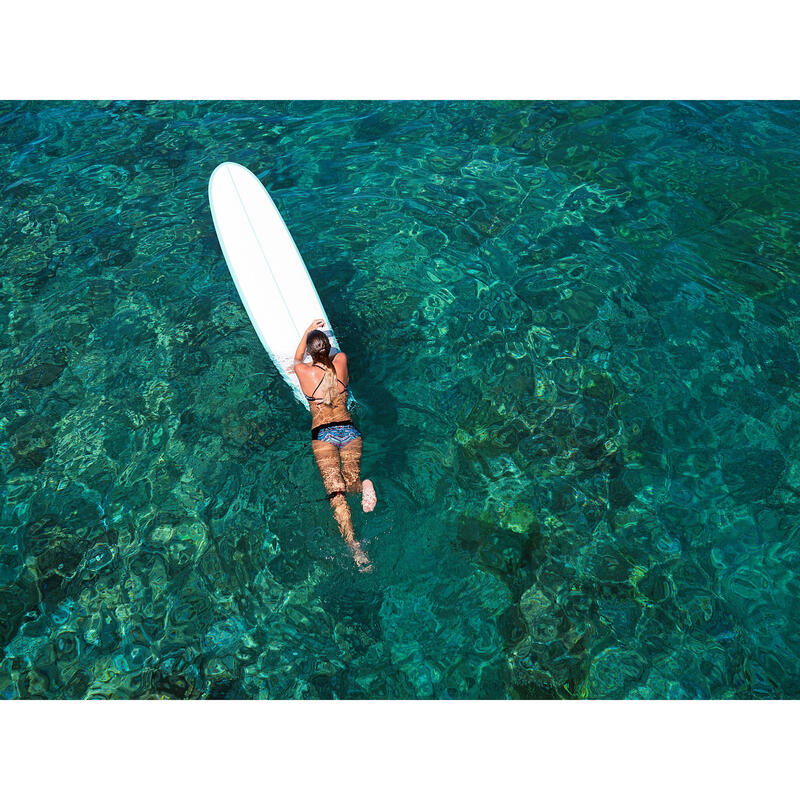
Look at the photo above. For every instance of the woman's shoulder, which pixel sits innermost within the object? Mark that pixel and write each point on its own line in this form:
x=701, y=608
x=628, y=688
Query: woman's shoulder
x=342, y=370
x=340, y=362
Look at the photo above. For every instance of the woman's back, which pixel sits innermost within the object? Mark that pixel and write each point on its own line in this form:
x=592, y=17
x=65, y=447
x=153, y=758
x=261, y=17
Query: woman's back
x=322, y=413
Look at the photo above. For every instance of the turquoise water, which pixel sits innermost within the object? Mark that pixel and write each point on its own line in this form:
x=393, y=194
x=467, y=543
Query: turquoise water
x=573, y=333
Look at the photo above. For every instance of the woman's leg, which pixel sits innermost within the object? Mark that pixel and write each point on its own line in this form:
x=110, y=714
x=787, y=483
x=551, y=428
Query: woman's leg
x=351, y=465
x=351, y=469
x=327, y=458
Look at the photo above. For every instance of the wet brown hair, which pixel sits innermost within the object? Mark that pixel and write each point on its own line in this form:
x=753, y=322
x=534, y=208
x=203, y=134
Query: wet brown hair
x=319, y=348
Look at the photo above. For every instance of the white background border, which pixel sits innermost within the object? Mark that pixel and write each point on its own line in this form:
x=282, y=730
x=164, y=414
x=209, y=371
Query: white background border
x=409, y=50
x=416, y=49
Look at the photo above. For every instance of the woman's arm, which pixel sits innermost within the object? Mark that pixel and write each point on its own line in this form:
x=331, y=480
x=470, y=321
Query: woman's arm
x=301, y=348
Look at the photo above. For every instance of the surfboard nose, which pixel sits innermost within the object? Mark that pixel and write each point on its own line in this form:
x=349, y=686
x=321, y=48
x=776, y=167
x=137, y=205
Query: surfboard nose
x=228, y=168
x=226, y=164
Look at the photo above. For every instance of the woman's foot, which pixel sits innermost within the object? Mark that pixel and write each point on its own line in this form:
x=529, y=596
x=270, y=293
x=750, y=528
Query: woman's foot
x=360, y=557
x=368, y=496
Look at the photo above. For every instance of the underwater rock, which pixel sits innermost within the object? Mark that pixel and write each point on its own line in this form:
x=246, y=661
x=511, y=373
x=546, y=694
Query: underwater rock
x=358, y=607
x=211, y=567
x=581, y=305
x=530, y=680
x=752, y=400
x=552, y=660
x=41, y=375
x=98, y=557
x=598, y=385
x=37, y=685
x=621, y=615
x=503, y=544
x=752, y=473
x=695, y=666
x=56, y=552
x=619, y=495
x=221, y=672
x=33, y=436
x=43, y=359
x=548, y=670
x=613, y=671
x=542, y=616
x=225, y=635
x=16, y=601
x=76, y=686
x=55, y=561
x=442, y=637
x=66, y=647
x=780, y=356
x=174, y=677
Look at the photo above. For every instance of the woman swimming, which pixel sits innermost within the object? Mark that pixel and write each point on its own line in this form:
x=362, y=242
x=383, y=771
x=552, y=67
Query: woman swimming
x=333, y=435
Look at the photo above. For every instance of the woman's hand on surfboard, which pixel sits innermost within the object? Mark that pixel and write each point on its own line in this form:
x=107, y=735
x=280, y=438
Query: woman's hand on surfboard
x=299, y=354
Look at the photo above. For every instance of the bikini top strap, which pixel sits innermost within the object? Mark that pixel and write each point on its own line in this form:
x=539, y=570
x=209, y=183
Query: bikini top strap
x=323, y=378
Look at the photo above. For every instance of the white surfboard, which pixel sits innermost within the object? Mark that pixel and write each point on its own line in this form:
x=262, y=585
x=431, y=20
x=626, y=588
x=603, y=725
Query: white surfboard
x=266, y=266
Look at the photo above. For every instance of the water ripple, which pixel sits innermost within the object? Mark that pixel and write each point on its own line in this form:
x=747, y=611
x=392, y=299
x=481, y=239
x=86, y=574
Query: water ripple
x=573, y=330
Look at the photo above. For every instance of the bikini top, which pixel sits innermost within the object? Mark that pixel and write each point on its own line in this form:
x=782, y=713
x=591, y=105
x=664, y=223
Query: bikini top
x=319, y=399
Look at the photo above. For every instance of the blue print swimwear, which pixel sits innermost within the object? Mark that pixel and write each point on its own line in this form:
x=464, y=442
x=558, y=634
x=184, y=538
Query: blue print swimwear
x=338, y=433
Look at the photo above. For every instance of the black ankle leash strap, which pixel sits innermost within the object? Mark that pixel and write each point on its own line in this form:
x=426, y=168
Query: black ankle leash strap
x=331, y=495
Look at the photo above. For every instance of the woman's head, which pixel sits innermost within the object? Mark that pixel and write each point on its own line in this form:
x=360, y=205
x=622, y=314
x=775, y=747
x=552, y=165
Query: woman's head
x=319, y=348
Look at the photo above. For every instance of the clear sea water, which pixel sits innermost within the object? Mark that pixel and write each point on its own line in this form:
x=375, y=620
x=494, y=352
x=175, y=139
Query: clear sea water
x=573, y=331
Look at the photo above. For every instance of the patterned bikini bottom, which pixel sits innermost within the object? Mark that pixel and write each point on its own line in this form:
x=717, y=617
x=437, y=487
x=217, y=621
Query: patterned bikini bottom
x=338, y=433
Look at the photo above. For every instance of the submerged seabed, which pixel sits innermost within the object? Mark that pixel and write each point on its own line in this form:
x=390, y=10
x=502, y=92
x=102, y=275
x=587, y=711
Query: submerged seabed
x=573, y=333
